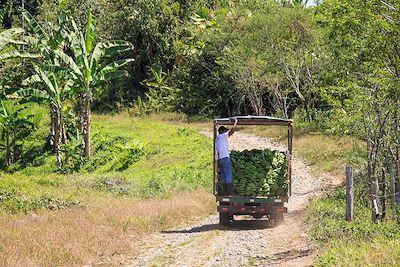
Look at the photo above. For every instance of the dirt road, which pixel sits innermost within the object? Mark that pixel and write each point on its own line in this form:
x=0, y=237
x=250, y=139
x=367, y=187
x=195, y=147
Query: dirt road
x=244, y=243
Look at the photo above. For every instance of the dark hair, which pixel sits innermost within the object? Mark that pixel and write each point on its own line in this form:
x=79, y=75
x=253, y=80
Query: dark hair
x=222, y=129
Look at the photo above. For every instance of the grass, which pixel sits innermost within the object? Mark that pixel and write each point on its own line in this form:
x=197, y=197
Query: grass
x=127, y=151
x=107, y=227
x=147, y=174
x=357, y=243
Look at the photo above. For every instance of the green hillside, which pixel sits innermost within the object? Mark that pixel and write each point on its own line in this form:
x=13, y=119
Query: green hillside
x=127, y=151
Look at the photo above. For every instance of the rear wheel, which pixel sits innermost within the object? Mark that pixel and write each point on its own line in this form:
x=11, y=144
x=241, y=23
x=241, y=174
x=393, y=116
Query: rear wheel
x=225, y=218
x=278, y=218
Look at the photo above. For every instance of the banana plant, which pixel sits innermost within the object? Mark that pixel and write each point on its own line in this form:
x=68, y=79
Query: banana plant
x=46, y=43
x=11, y=123
x=13, y=37
x=87, y=68
x=56, y=92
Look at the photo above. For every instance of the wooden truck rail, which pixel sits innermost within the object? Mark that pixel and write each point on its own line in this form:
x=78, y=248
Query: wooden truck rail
x=256, y=206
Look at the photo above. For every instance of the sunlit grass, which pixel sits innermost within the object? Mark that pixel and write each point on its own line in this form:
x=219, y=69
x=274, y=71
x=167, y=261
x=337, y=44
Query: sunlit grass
x=357, y=243
x=173, y=158
x=78, y=236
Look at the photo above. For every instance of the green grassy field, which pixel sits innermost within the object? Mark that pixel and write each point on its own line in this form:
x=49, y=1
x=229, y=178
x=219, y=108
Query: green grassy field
x=127, y=151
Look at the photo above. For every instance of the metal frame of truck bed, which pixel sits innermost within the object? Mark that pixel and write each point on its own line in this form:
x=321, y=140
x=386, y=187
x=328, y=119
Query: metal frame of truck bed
x=253, y=205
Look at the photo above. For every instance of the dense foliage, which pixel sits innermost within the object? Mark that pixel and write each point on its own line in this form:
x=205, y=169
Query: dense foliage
x=323, y=65
x=259, y=172
x=228, y=57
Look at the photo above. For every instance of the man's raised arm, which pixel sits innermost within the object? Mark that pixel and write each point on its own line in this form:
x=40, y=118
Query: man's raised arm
x=232, y=130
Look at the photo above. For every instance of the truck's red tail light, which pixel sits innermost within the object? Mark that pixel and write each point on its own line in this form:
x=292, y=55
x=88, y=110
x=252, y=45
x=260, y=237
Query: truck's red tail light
x=262, y=210
x=280, y=210
x=242, y=209
x=224, y=209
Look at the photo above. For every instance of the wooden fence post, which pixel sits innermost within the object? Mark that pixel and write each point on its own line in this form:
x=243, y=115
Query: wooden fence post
x=349, y=193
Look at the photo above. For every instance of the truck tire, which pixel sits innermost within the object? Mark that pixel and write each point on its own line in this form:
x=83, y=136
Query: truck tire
x=278, y=219
x=225, y=218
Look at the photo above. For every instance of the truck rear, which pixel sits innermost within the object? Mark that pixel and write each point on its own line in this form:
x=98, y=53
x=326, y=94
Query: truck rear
x=271, y=205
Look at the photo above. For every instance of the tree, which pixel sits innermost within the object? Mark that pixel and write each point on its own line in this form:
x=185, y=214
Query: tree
x=46, y=43
x=10, y=120
x=87, y=68
x=56, y=93
x=363, y=39
x=272, y=66
x=160, y=97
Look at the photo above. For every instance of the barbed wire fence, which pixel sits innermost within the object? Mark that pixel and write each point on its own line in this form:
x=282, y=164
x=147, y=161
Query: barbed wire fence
x=382, y=190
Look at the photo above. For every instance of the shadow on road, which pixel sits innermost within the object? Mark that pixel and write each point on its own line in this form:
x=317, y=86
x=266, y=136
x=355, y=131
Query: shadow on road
x=243, y=225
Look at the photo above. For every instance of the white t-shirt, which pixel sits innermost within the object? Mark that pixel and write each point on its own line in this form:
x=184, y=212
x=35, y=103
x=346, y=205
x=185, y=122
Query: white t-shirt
x=221, y=145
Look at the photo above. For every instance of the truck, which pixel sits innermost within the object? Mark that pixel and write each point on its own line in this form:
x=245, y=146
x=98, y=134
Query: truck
x=270, y=207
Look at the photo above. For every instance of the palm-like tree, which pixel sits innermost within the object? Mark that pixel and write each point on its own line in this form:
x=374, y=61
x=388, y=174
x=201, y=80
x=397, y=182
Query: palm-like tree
x=10, y=121
x=46, y=44
x=56, y=91
x=87, y=69
x=83, y=65
x=160, y=94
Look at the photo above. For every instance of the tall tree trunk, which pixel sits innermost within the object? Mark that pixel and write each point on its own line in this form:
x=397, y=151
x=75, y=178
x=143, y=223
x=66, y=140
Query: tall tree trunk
x=81, y=111
x=53, y=114
x=63, y=129
x=86, y=127
x=64, y=134
x=58, y=138
x=8, y=150
x=15, y=148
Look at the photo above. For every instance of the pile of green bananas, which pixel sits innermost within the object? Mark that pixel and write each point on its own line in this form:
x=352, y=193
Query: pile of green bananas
x=259, y=172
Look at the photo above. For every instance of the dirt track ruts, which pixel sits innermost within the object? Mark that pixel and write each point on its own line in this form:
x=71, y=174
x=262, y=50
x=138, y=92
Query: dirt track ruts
x=244, y=243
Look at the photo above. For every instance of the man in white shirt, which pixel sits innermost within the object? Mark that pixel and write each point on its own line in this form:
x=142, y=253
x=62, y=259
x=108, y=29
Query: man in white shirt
x=224, y=162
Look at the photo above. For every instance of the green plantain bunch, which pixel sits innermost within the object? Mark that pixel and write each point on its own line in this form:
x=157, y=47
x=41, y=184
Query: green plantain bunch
x=259, y=172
